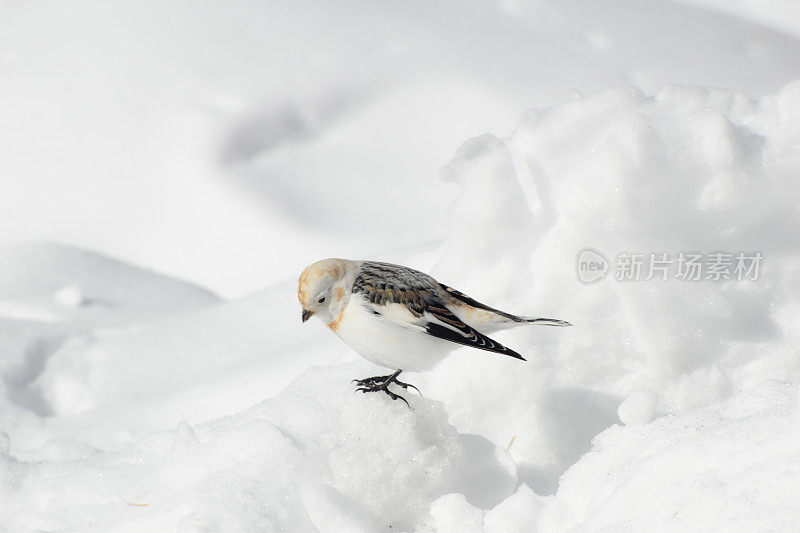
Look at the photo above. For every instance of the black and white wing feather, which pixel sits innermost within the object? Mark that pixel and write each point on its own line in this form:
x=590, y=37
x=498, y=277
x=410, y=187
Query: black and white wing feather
x=463, y=298
x=451, y=328
x=382, y=284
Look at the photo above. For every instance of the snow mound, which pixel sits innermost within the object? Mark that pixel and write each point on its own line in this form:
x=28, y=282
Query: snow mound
x=316, y=456
x=638, y=408
x=160, y=423
x=728, y=467
x=174, y=135
x=119, y=383
x=688, y=169
x=54, y=282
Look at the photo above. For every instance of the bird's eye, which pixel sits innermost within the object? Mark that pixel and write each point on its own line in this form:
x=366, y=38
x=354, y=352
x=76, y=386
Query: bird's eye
x=321, y=299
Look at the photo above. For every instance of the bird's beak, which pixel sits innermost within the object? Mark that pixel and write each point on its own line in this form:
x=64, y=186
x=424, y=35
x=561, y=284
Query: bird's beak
x=307, y=314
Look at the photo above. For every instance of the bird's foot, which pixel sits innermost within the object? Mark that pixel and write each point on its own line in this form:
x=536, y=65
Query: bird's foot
x=376, y=381
x=373, y=381
x=381, y=383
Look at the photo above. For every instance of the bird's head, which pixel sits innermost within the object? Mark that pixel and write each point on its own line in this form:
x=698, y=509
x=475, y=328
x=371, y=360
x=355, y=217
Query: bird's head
x=315, y=289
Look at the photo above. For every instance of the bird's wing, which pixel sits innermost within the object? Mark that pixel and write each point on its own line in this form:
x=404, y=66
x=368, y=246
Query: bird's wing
x=449, y=327
x=413, y=299
x=464, y=299
x=496, y=316
x=383, y=283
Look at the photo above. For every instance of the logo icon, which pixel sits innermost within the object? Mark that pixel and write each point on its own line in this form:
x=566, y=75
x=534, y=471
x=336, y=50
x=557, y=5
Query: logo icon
x=591, y=266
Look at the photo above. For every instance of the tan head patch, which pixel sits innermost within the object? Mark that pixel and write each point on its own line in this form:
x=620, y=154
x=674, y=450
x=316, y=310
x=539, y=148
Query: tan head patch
x=302, y=287
x=332, y=268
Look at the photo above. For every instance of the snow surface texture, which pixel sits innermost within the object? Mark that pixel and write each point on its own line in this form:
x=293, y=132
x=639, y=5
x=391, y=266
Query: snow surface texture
x=670, y=405
x=139, y=125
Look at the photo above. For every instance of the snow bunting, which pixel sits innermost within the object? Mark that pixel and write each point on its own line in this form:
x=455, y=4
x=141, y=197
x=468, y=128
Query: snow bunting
x=400, y=318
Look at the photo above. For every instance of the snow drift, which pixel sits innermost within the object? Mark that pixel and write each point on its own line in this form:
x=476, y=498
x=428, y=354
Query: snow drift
x=199, y=138
x=159, y=421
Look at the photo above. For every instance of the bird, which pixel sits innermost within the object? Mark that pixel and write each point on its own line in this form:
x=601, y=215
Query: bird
x=400, y=318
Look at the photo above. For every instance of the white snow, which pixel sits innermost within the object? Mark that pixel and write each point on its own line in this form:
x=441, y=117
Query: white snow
x=730, y=466
x=69, y=296
x=232, y=146
x=638, y=408
x=185, y=136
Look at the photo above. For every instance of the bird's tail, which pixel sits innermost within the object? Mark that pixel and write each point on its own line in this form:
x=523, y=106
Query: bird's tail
x=544, y=321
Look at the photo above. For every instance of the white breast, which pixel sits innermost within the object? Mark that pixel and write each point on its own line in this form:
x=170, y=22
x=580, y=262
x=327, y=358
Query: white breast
x=390, y=339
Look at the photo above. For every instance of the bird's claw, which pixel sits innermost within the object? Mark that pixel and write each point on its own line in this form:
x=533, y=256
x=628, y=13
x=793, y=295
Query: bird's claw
x=394, y=396
x=373, y=381
x=381, y=383
x=407, y=385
